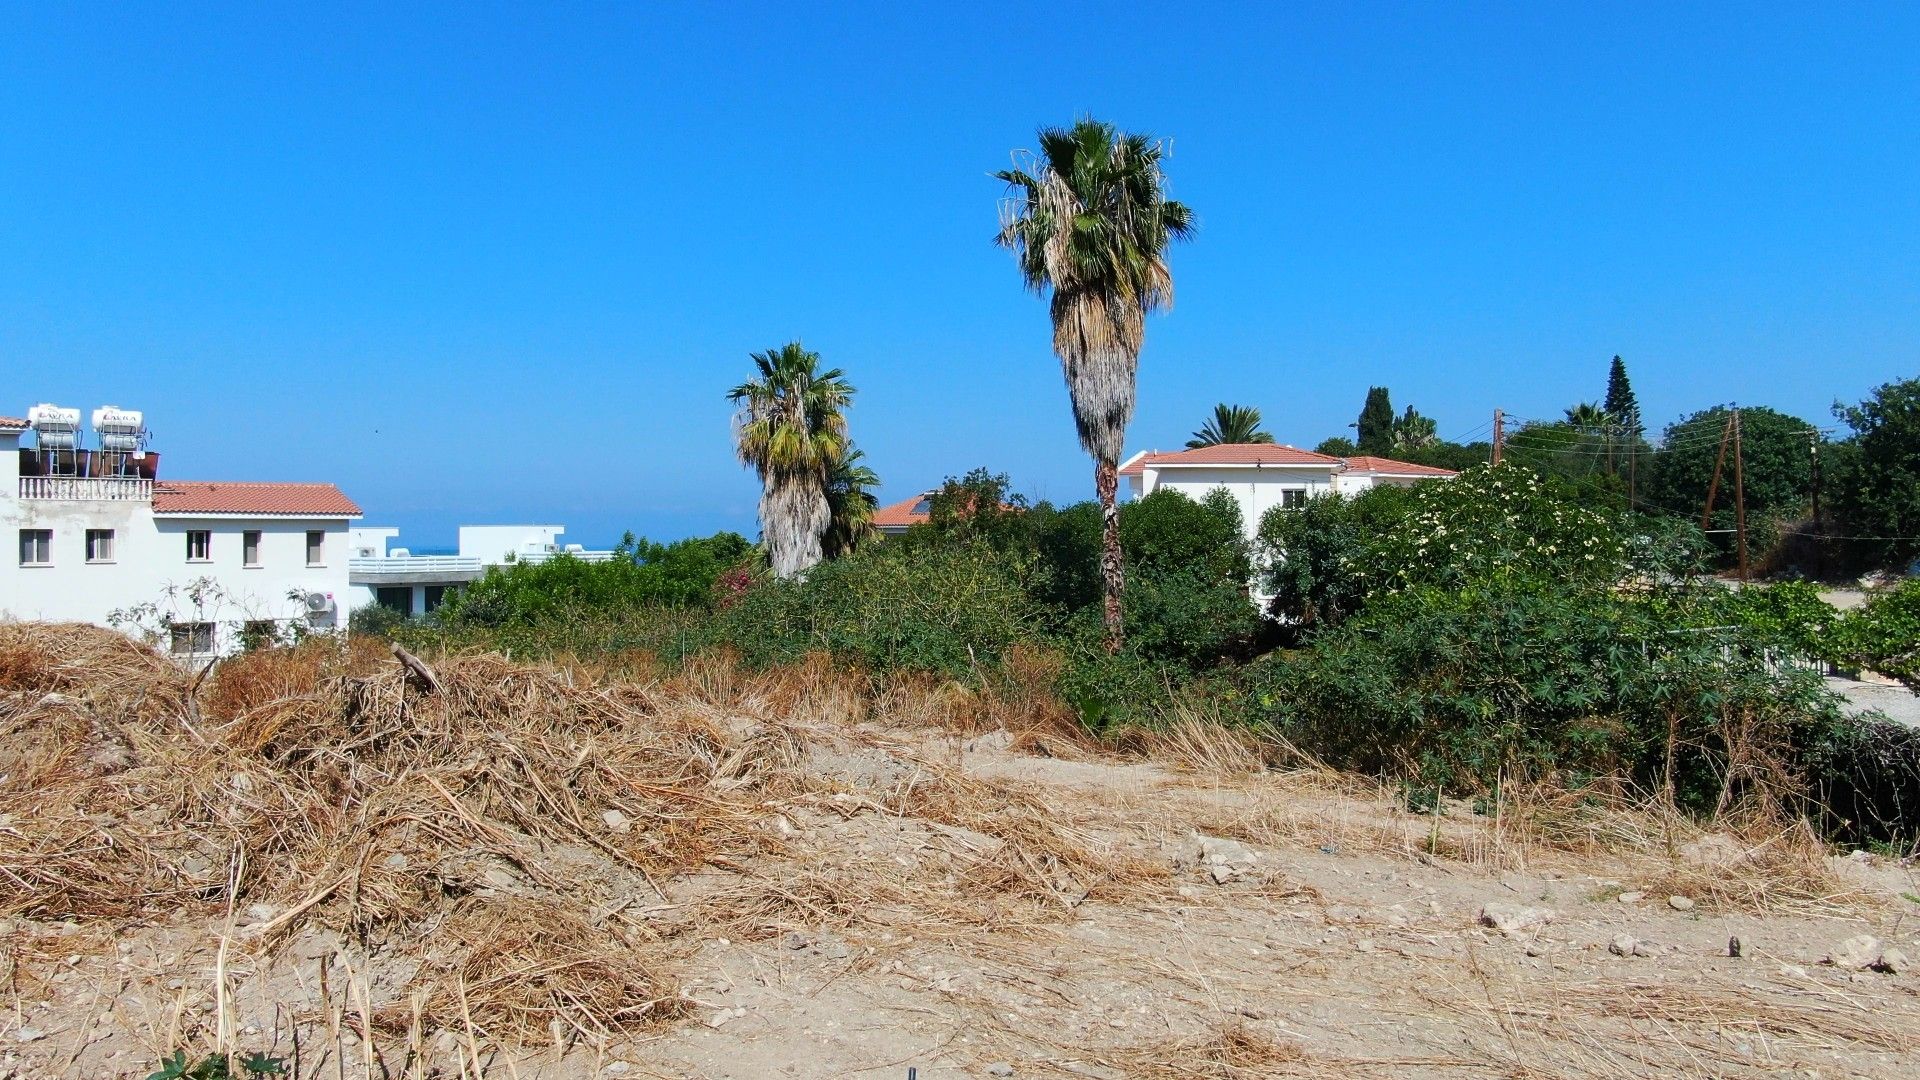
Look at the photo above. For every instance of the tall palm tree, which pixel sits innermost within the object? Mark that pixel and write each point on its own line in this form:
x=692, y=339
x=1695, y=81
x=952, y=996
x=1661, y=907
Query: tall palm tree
x=1230, y=424
x=850, y=504
x=1087, y=221
x=792, y=429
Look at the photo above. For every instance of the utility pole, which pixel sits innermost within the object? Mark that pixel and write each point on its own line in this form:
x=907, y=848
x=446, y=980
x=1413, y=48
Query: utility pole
x=1739, y=497
x=1499, y=433
x=1713, y=486
x=1820, y=538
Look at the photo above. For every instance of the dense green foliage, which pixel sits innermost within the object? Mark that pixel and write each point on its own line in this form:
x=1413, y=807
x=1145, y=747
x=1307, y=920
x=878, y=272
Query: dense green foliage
x=1621, y=406
x=1884, y=635
x=1313, y=557
x=680, y=574
x=1776, y=464
x=1373, y=432
x=1877, y=479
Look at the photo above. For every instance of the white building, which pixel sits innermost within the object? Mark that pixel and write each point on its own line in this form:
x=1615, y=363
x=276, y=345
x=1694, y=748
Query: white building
x=195, y=563
x=414, y=585
x=1261, y=476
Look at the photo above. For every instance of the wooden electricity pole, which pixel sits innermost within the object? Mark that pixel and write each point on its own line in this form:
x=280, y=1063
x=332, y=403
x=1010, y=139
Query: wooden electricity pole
x=1739, y=497
x=1713, y=486
x=1819, y=538
x=1499, y=433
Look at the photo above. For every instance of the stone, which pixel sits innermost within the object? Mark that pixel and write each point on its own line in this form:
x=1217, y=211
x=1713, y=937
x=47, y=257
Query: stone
x=29, y=1034
x=617, y=821
x=1680, y=903
x=1632, y=897
x=1622, y=945
x=795, y=940
x=1535, y=948
x=1893, y=962
x=1223, y=860
x=1856, y=953
x=616, y=1068
x=1513, y=918
x=999, y=1068
x=1643, y=949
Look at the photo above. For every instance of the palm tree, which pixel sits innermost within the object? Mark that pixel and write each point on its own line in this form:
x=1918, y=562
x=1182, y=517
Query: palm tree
x=1087, y=221
x=1230, y=424
x=1588, y=416
x=790, y=427
x=1414, y=431
x=850, y=504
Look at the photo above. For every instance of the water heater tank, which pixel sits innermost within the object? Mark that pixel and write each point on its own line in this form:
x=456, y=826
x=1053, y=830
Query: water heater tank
x=119, y=429
x=56, y=428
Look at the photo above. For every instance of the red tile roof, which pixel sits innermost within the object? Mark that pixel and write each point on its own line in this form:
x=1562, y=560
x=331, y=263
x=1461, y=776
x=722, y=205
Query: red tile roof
x=906, y=512
x=13, y=422
x=1368, y=464
x=221, y=497
x=1230, y=454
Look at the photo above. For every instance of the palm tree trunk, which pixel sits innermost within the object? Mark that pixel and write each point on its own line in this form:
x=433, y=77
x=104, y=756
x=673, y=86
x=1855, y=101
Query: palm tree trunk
x=793, y=517
x=1106, y=480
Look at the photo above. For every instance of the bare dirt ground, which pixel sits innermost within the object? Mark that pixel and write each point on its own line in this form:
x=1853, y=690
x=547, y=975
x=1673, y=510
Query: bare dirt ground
x=896, y=888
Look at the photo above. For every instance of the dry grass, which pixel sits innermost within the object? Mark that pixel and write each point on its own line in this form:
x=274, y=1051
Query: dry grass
x=545, y=848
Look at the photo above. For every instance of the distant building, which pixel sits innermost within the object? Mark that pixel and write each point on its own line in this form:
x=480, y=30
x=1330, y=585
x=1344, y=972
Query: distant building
x=198, y=563
x=1261, y=476
x=413, y=585
x=898, y=517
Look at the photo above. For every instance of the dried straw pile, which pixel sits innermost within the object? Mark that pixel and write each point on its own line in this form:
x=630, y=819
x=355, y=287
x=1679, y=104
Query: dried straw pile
x=516, y=846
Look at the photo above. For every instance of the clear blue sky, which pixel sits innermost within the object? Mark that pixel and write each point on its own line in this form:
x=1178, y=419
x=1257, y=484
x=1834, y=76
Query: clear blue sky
x=499, y=263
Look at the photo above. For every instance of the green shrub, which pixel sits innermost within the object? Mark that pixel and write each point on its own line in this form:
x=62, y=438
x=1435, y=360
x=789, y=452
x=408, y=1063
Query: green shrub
x=948, y=610
x=1530, y=680
x=680, y=574
x=1495, y=524
x=1884, y=634
x=1313, y=554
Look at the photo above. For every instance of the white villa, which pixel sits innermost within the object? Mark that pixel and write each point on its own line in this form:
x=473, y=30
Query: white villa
x=1265, y=475
x=413, y=585
x=97, y=531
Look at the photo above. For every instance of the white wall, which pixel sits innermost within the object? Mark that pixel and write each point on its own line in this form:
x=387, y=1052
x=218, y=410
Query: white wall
x=1257, y=489
x=370, y=541
x=150, y=561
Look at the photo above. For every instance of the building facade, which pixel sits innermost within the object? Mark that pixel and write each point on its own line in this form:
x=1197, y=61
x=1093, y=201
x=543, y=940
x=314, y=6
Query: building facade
x=414, y=585
x=1261, y=476
x=195, y=565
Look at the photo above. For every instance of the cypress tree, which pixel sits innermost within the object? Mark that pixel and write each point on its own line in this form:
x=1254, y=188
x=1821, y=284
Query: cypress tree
x=1621, y=406
x=1374, y=430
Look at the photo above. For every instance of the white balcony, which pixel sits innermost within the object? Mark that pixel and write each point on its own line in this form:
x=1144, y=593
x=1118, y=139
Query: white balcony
x=86, y=488
x=449, y=566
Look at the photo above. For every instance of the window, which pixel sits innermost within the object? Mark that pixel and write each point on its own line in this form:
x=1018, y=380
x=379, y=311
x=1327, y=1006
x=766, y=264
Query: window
x=1293, y=498
x=259, y=634
x=191, y=638
x=316, y=547
x=250, y=548
x=99, y=545
x=36, y=547
x=435, y=595
x=395, y=598
x=199, y=545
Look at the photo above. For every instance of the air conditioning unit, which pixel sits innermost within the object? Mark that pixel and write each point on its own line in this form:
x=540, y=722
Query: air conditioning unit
x=399, y=553
x=319, y=603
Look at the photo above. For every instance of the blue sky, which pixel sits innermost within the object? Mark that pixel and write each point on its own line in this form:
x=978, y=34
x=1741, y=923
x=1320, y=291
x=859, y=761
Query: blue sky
x=498, y=263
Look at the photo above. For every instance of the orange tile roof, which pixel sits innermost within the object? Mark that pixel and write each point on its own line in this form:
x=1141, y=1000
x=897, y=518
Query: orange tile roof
x=13, y=422
x=1369, y=464
x=1230, y=454
x=906, y=512
x=222, y=497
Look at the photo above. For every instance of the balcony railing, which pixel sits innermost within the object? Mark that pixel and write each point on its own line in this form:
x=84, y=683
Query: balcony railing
x=416, y=564
x=87, y=488
x=538, y=557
